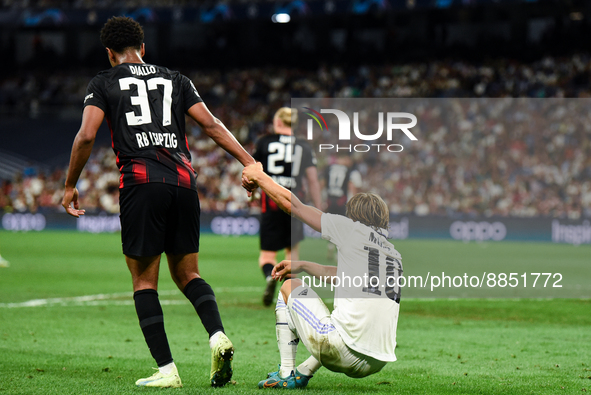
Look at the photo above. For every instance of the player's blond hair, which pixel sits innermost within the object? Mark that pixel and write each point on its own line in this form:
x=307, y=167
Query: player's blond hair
x=369, y=209
x=286, y=115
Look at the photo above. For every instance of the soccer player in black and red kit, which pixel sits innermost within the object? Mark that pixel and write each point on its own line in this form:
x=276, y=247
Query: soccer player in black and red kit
x=145, y=107
x=288, y=161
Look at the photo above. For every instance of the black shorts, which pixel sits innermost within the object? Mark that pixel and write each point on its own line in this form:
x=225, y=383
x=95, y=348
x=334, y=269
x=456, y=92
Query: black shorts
x=157, y=218
x=279, y=230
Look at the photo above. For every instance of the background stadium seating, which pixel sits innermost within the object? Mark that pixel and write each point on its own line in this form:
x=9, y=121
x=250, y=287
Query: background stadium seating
x=246, y=67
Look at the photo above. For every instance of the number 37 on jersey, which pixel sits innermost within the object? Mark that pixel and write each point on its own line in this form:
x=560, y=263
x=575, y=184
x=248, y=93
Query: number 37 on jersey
x=145, y=139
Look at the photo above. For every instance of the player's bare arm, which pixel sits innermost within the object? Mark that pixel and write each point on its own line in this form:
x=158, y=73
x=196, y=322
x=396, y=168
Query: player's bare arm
x=283, y=197
x=285, y=267
x=218, y=132
x=314, y=184
x=92, y=117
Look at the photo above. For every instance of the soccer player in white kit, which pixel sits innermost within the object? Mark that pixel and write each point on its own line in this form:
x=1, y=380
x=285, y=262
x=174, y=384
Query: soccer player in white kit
x=359, y=337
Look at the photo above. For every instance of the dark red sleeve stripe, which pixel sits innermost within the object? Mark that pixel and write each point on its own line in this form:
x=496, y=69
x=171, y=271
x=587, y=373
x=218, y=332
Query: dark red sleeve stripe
x=263, y=202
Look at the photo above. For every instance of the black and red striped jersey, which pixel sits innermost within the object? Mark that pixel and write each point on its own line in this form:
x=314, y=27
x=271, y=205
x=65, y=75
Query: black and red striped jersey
x=145, y=108
x=285, y=159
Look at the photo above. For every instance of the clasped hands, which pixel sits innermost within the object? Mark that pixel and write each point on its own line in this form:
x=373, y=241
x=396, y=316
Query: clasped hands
x=250, y=176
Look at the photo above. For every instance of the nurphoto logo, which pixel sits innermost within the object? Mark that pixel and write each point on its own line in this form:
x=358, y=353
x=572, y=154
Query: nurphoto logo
x=390, y=119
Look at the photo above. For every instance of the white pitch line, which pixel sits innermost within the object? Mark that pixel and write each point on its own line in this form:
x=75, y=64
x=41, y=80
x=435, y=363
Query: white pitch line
x=107, y=299
x=127, y=299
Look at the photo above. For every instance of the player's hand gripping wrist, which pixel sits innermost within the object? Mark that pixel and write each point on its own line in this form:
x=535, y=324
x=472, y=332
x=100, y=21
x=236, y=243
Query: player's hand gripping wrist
x=251, y=173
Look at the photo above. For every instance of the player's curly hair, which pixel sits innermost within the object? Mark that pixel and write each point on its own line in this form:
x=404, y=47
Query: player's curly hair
x=369, y=209
x=120, y=33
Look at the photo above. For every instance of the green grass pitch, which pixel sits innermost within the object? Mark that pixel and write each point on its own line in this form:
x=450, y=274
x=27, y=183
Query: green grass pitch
x=71, y=344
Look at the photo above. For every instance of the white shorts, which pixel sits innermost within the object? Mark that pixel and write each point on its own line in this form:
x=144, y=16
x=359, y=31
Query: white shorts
x=310, y=319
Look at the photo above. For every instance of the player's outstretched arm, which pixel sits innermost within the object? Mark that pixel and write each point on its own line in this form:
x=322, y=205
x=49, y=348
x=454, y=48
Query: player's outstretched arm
x=283, y=197
x=285, y=268
x=92, y=117
x=216, y=130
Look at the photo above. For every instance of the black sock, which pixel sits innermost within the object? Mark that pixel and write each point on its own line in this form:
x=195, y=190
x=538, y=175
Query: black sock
x=267, y=269
x=151, y=319
x=202, y=297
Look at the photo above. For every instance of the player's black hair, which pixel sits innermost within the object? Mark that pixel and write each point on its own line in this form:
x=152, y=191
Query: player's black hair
x=120, y=33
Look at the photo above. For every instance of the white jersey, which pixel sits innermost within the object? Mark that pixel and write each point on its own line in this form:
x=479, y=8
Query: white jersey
x=367, y=299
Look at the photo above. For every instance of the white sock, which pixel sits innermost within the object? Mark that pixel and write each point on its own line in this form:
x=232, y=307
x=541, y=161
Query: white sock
x=309, y=366
x=167, y=369
x=214, y=339
x=287, y=340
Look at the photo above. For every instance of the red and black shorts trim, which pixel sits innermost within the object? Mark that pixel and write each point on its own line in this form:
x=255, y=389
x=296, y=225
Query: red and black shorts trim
x=157, y=218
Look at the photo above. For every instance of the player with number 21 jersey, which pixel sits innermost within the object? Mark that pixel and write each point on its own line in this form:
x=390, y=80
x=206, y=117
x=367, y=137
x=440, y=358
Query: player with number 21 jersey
x=284, y=159
x=287, y=161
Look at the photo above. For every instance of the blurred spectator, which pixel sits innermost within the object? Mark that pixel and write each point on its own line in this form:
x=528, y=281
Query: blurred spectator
x=478, y=167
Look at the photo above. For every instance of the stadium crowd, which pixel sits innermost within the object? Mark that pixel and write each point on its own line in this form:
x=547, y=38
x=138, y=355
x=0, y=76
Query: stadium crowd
x=506, y=158
x=91, y=4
